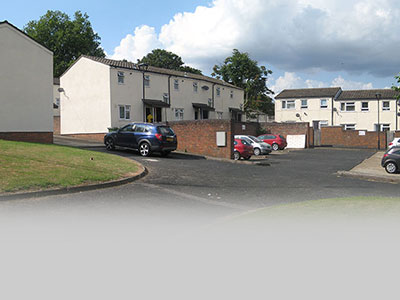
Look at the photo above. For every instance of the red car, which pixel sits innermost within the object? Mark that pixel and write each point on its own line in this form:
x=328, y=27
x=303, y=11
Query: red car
x=277, y=142
x=242, y=149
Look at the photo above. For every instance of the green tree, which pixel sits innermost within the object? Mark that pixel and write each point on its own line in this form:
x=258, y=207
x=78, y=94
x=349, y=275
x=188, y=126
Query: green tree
x=241, y=71
x=167, y=60
x=68, y=39
x=397, y=88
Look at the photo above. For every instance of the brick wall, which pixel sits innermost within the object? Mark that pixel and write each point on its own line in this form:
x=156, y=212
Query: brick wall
x=241, y=128
x=31, y=137
x=199, y=137
x=56, y=125
x=397, y=134
x=286, y=129
x=337, y=137
x=98, y=137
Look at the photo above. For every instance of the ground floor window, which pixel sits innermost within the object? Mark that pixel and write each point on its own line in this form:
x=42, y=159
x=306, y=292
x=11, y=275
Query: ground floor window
x=323, y=123
x=385, y=127
x=204, y=114
x=124, y=112
x=220, y=115
x=349, y=126
x=179, y=114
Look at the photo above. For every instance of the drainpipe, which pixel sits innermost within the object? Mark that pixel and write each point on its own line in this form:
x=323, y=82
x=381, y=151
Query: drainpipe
x=169, y=98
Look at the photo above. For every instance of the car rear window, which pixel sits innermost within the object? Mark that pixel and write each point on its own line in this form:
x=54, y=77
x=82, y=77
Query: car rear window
x=165, y=130
x=282, y=137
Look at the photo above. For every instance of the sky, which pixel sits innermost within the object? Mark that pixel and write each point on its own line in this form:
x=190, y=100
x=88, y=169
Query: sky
x=354, y=44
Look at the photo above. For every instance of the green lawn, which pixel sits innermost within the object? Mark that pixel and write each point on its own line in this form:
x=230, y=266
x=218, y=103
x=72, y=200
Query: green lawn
x=30, y=166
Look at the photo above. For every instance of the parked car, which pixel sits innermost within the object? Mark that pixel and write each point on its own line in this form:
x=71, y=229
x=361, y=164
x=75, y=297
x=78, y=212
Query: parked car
x=277, y=142
x=242, y=148
x=259, y=147
x=144, y=137
x=395, y=143
x=391, y=160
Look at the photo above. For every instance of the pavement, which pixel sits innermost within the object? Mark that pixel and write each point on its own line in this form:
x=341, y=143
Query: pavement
x=370, y=169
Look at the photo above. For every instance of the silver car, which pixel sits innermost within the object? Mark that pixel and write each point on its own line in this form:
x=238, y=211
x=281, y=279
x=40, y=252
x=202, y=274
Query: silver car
x=259, y=147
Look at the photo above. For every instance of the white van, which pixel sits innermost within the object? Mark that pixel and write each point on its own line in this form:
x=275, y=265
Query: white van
x=259, y=147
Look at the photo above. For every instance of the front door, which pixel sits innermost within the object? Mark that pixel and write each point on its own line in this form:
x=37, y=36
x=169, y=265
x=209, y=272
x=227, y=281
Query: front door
x=149, y=115
x=157, y=114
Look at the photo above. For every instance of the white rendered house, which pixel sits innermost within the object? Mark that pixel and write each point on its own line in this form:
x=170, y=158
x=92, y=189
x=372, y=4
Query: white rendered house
x=354, y=110
x=26, y=85
x=98, y=93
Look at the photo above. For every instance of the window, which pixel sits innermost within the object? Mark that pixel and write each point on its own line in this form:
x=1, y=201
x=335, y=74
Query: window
x=218, y=92
x=323, y=123
x=210, y=102
x=146, y=80
x=231, y=94
x=58, y=102
x=385, y=105
x=124, y=112
x=304, y=103
x=349, y=126
x=121, y=77
x=204, y=114
x=347, y=106
x=324, y=103
x=195, y=87
x=385, y=127
x=128, y=128
x=220, y=115
x=364, y=106
x=179, y=114
x=166, y=97
x=288, y=104
x=176, y=84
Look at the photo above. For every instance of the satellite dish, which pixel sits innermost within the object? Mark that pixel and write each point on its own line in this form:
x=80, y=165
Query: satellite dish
x=298, y=115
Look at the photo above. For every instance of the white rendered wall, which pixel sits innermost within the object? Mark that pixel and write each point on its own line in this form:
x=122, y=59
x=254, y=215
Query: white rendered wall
x=85, y=102
x=26, y=83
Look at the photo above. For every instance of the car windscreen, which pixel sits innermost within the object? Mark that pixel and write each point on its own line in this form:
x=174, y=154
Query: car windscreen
x=165, y=130
x=257, y=140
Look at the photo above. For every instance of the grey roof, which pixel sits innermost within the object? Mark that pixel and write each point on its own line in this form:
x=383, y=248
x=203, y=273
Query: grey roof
x=308, y=93
x=367, y=94
x=24, y=33
x=132, y=66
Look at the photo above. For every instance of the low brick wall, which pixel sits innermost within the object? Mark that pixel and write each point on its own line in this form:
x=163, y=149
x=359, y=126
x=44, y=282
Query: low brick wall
x=246, y=128
x=199, y=137
x=98, y=137
x=56, y=125
x=31, y=137
x=338, y=137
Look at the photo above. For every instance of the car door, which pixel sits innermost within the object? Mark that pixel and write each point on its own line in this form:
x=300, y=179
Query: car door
x=125, y=135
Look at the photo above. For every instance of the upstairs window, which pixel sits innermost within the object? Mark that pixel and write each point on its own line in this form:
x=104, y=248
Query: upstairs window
x=166, y=97
x=324, y=103
x=231, y=94
x=176, y=84
x=146, y=80
x=385, y=105
x=347, y=106
x=364, y=106
x=210, y=102
x=288, y=104
x=304, y=103
x=121, y=78
x=195, y=87
x=218, y=90
x=124, y=112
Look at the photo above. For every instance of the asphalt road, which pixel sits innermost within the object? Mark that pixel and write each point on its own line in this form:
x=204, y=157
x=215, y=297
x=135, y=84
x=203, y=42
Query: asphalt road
x=183, y=186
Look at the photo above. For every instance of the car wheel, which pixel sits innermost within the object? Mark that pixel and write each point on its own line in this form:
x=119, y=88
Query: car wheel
x=144, y=149
x=110, y=145
x=391, y=167
x=275, y=147
x=257, y=151
x=165, y=153
x=236, y=155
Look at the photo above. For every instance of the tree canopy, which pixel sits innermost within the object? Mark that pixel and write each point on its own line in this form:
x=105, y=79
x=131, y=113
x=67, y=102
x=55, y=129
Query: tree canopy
x=397, y=88
x=167, y=60
x=241, y=71
x=68, y=39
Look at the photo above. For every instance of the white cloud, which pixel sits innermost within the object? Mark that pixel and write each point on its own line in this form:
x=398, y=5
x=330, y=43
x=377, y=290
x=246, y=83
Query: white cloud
x=351, y=85
x=134, y=47
x=357, y=36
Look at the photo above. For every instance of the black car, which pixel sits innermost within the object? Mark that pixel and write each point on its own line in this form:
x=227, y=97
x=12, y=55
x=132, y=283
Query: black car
x=391, y=160
x=144, y=137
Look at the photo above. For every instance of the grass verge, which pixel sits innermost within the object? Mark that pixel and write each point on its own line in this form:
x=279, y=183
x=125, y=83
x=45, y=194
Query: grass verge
x=30, y=166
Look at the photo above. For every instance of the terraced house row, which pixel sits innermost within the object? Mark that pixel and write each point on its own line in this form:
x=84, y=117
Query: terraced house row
x=369, y=110
x=98, y=93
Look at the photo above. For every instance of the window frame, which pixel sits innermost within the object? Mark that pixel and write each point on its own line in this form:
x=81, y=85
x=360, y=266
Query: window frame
x=126, y=112
x=346, y=105
x=231, y=95
x=285, y=104
x=121, y=75
x=302, y=106
x=195, y=87
x=179, y=114
x=176, y=84
x=146, y=80
x=325, y=106
x=218, y=91
x=384, y=108
x=349, y=127
x=363, y=109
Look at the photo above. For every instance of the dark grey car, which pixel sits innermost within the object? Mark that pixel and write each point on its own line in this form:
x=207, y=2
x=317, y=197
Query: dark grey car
x=391, y=160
